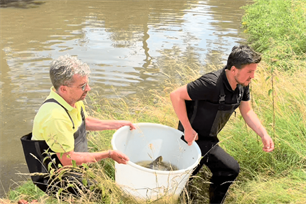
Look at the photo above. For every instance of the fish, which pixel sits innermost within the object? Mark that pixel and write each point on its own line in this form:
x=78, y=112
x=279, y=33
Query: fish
x=158, y=164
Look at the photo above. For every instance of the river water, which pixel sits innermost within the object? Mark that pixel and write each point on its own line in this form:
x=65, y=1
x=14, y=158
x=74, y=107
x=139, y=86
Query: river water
x=127, y=44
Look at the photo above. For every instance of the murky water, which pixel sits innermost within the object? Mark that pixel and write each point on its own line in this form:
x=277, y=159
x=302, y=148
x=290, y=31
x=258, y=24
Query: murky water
x=127, y=44
x=161, y=166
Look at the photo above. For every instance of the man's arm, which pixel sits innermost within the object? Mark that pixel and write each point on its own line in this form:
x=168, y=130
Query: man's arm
x=95, y=124
x=90, y=157
x=253, y=122
x=178, y=98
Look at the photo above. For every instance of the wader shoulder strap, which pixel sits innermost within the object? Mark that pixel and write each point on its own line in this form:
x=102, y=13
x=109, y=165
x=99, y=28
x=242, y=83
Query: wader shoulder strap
x=52, y=100
x=82, y=114
x=222, y=95
x=221, y=100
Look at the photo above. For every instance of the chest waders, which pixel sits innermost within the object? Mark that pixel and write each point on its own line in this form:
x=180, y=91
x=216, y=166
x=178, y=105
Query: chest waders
x=208, y=119
x=40, y=157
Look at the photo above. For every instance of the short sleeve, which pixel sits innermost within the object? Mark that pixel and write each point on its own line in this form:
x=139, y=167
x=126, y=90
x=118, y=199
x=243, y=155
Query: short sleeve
x=203, y=87
x=58, y=133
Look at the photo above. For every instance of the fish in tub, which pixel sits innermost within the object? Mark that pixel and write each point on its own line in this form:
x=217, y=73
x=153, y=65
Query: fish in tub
x=158, y=164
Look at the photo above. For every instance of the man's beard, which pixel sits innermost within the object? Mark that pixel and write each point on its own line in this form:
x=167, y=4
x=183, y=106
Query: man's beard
x=83, y=96
x=243, y=84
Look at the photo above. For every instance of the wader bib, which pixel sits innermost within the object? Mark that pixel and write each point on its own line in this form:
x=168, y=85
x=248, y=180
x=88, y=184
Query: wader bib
x=203, y=112
x=39, y=156
x=224, y=168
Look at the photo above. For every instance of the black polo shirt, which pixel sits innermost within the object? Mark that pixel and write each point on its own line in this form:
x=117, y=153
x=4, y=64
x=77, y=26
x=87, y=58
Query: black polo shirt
x=206, y=88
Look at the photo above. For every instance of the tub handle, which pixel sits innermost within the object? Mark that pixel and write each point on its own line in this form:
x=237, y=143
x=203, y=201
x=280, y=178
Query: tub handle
x=182, y=138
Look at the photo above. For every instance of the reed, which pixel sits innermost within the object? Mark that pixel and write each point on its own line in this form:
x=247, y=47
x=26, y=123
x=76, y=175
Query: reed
x=263, y=173
x=288, y=132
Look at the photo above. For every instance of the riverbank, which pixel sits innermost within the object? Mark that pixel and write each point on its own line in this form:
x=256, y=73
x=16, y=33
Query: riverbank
x=278, y=98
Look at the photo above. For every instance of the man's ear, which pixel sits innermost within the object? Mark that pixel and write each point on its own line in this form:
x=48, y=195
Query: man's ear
x=233, y=69
x=62, y=89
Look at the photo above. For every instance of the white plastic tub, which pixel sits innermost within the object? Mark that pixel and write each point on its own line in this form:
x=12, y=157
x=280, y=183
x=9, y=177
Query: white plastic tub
x=148, y=142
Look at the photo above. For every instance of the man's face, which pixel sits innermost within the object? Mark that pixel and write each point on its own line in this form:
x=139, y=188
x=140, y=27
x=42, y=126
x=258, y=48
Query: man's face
x=79, y=88
x=245, y=75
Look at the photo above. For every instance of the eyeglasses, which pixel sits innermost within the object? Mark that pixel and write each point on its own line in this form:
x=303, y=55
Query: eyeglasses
x=83, y=87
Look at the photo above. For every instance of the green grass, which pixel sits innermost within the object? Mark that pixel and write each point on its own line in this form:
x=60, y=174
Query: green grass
x=289, y=132
x=276, y=28
x=267, y=189
x=276, y=177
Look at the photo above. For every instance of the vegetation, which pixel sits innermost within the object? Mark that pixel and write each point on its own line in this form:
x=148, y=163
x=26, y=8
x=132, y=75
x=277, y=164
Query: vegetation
x=277, y=29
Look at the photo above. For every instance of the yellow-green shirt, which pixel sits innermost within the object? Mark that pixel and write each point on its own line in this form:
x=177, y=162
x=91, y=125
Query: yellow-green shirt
x=53, y=124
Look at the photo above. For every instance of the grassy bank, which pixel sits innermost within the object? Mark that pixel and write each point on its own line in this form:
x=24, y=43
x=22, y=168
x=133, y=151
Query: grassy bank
x=275, y=28
x=277, y=177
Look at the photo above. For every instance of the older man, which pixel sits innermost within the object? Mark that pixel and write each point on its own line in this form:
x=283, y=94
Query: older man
x=61, y=122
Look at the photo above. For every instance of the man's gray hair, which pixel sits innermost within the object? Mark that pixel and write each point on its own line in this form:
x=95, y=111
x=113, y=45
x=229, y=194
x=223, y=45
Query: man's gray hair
x=63, y=69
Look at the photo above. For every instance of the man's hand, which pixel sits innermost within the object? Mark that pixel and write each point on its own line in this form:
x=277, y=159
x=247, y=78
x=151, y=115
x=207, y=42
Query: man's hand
x=268, y=143
x=128, y=123
x=190, y=136
x=119, y=157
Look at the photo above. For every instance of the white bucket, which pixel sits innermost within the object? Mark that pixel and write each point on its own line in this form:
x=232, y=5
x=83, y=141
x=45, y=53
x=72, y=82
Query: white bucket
x=148, y=142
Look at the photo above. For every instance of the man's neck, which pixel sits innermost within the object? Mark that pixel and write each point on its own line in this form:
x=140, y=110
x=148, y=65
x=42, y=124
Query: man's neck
x=69, y=102
x=230, y=78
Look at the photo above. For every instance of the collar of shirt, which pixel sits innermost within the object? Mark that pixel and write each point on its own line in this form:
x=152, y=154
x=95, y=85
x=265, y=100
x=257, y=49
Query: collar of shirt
x=57, y=97
x=225, y=81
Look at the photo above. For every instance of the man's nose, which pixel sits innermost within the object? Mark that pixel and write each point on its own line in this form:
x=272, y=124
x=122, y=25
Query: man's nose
x=252, y=75
x=87, y=87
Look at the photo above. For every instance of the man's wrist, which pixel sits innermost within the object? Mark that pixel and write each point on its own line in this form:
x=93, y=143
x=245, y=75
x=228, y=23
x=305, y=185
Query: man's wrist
x=264, y=136
x=188, y=127
x=109, y=153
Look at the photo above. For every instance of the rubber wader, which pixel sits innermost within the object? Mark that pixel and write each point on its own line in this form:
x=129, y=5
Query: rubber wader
x=224, y=168
x=40, y=157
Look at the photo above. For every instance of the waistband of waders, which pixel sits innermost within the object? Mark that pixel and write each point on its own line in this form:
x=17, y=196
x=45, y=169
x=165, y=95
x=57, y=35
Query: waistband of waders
x=208, y=139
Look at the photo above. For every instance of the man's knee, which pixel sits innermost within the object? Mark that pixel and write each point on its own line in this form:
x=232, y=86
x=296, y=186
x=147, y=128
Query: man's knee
x=229, y=166
x=226, y=173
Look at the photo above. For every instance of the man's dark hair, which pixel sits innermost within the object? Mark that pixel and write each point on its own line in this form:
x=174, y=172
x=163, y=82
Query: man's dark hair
x=242, y=55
